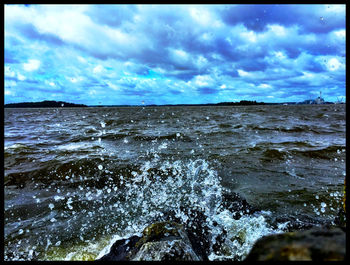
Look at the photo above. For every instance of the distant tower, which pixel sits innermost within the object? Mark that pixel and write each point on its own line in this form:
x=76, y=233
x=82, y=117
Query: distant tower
x=319, y=100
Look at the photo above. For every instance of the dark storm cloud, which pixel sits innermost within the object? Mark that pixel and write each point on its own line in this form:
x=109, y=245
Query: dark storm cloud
x=31, y=32
x=310, y=18
x=207, y=90
x=253, y=65
x=10, y=56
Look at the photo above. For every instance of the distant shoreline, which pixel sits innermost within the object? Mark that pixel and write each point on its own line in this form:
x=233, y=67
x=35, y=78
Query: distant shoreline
x=62, y=104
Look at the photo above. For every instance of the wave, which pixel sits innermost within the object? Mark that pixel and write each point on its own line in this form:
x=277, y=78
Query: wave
x=285, y=150
x=174, y=137
x=329, y=152
x=131, y=197
x=295, y=129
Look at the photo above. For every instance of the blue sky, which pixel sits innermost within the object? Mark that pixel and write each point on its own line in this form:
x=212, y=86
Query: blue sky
x=173, y=54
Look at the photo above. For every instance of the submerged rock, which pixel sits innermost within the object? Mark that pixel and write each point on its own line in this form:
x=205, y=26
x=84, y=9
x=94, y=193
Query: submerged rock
x=316, y=244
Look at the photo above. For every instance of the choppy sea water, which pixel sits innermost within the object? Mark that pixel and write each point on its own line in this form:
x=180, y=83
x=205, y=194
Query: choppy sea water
x=77, y=179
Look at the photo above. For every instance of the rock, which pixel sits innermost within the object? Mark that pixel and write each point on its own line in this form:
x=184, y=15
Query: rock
x=160, y=241
x=340, y=219
x=302, y=222
x=172, y=240
x=196, y=228
x=121, y=249
x=237, y=205
x=316, y=244
x=172, y=249
x=165, y=241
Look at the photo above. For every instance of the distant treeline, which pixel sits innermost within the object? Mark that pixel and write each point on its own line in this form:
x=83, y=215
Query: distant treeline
x=60, y=104
x=242, y=102
x=44, y=104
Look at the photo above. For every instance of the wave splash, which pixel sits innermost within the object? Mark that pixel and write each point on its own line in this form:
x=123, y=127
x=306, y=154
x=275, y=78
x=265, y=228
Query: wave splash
x=181, y=187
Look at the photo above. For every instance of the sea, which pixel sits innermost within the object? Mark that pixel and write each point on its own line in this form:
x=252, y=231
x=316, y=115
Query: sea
x=78, y=179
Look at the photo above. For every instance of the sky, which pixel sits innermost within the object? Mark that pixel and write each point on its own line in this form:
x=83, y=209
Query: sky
x=173, y=54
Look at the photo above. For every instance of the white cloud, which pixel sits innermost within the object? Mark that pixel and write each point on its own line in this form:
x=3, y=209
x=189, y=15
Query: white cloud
x=264, y=86
x=8, y=72
x=98, y=69
x=21, y=77
x=180, y=54
x=203, y=80
x=243, y=73
x=204, y=17
x=249, y=35
x=7, y=92
x=32, y=65
x=92, y=92
x=113, y=86
x=340, y=33
x=75, y=79
x=81, y=59
x=279, y=54
x=277, y=30
x=333, y=64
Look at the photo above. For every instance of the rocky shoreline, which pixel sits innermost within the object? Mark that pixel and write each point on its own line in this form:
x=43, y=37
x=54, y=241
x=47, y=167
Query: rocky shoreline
x=170, y=239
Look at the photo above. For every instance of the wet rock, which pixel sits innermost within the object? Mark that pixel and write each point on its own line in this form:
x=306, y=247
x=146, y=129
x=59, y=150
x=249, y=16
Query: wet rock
x=165, y=241
x=171, y=238
x=121, y=249
x=316, y=244
x=302, y=222
x=237, y=205
x=160, y=241
x=196, y=228
x=340, y=219
x=177, y=250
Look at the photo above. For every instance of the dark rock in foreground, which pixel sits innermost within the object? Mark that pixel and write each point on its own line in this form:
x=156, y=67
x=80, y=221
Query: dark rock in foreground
x=160, y=241
x=316, y=244
x=121, y=249
x=171, y=239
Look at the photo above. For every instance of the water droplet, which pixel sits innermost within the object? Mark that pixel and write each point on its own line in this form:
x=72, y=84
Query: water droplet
x=100, y=167
x=51, y=206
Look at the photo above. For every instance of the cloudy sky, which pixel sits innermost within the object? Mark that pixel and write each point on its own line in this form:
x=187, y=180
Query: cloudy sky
x=173, y=54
